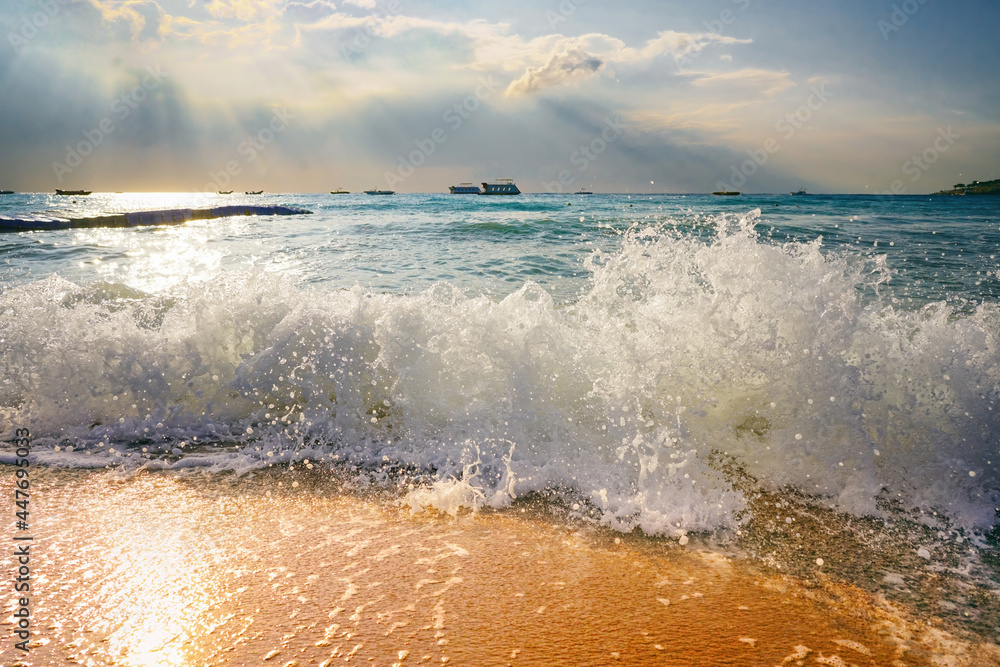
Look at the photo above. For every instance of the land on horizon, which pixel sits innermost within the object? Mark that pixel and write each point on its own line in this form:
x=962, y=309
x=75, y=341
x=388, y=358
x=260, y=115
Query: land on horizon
x=974, y=188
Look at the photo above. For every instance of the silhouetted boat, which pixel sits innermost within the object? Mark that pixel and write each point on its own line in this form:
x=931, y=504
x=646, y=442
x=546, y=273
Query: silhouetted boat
x=581, y=191
x=799, y=193
x=725, y=194
x=380, y=192
x=227, y=192
x=75, y=193
x=503, y=186
x=339, y=191
x=6, y=192
x=256, y=192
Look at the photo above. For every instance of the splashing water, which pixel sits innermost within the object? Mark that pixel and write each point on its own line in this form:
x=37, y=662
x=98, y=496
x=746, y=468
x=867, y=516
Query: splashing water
x=691, y=370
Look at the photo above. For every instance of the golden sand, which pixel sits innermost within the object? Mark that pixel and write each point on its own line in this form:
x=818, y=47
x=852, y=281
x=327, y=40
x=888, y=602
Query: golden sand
x=159, y=570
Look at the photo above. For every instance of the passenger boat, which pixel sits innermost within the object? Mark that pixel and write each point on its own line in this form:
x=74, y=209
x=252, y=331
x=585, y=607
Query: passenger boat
x=227, y=192
x=339, y=191
x=798, y=193
x=74, y=193
x=582, y=191
x=465, y=189
x=380, y=192
x=502, y=186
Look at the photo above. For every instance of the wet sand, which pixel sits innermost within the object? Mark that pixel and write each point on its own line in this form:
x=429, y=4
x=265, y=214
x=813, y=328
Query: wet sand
x=163, y=570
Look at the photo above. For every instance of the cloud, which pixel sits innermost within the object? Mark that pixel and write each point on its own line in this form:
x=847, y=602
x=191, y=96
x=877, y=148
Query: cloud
x=684, y=45
x=560, y=69
x=139, y=20
x=573, y=58
x=309, y=11
x=766, y=82
x=244, y=10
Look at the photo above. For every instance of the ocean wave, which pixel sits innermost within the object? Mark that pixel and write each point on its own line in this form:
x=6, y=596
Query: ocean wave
x=691, y=371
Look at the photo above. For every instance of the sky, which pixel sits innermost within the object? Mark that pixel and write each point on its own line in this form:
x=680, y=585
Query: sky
x=854, y=96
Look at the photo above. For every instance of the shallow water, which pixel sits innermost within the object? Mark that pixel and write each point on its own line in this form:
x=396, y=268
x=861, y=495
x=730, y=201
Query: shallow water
x=661, y=363
x=159, y=570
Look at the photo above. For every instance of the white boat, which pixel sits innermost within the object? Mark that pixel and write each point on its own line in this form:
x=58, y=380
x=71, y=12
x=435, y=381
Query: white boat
x=799, y=193
x=380, y=192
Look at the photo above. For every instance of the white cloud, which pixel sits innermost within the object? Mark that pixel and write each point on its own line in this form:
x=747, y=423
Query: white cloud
x=766, y=82
x=560, y=69
x=313, y=9
x=569, y=58
x=139, y=19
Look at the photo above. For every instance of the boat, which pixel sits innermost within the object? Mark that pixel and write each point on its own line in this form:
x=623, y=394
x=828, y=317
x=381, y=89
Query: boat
x=74, y=193
x=502, y=186
x=339, y=191
x=255, y=192
x=380, y=192
x=227, y=192
x=6, y=192
x=798, y=193
x=725, y=193
x=465, y=189
x=581, y=191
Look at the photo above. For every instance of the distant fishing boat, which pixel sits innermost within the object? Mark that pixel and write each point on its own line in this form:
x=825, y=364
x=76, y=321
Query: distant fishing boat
x=725, y=193
x=6, y=192
x=799, y=193
x=255, y=192
x=465, y=189
x=502, y=186
x=227, y=192
x=74, y=193
x=339, y=191
x=581, y=191
x=380, y=192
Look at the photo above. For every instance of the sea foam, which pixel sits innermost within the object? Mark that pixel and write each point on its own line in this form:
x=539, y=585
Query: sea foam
x=688, y=373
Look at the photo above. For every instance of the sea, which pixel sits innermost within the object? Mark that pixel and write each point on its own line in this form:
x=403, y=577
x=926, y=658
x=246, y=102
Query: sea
x=761, y=375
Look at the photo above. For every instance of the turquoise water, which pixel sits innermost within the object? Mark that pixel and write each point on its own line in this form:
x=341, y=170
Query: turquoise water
x=622, y=352
x=937, y=248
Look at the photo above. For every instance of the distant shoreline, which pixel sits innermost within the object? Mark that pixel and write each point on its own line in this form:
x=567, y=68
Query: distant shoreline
x=974, y=188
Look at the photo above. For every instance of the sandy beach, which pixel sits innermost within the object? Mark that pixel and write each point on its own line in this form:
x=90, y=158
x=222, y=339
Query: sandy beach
x=154, y=570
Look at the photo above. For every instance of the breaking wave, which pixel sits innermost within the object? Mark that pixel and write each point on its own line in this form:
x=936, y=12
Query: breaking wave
x=691, y=371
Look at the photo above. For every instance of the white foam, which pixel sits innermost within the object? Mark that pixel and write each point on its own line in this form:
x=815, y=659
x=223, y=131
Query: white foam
x=682, y=352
